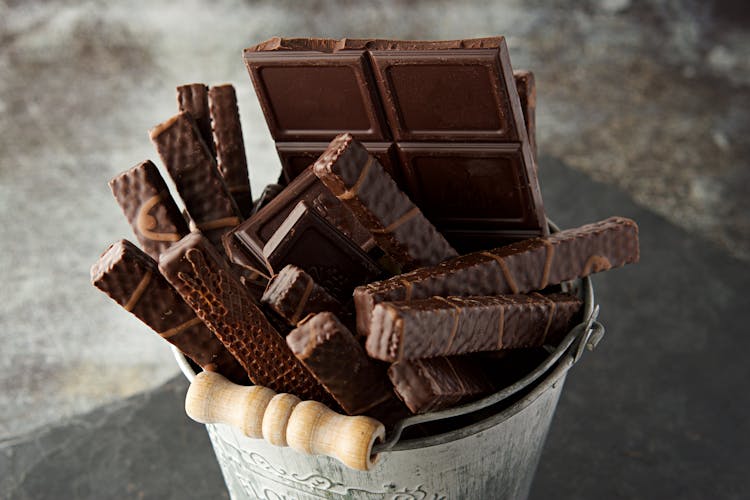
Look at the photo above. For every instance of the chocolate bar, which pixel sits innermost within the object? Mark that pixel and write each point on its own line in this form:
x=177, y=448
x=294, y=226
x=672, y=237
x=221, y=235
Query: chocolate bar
x=521, y=267
x=131, y=278
x=193, y=99
x=399, y=227
x=437, y=383
x=337, y=360
x=526, y=86
x=294, y=295
x=193, y=170
x=199, y=273
x=230, y=147
x=255, y=232
x=310, y=242
x=443, y=326
x=152, y=213
x=459, y=96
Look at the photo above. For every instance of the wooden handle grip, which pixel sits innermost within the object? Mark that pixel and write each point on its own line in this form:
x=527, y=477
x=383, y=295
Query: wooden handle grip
x=284, y=420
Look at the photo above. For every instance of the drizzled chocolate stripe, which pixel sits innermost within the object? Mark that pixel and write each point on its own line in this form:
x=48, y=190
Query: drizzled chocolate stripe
x=398, y=226
x=203, y=278
x=193, y=170
x=520, y=267
x=230, y=147
x=131, y=278
x=458, y=325
x=152, y=213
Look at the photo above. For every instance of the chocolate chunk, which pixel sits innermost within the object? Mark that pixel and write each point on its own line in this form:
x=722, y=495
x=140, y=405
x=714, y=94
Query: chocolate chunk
x=294, y=295
x=255, y=232
x=458, y=325
x=252, y=273
x=437, y=383
x=198, y=272
x=230, y=147
x=340, y=364
x=193, y=170
x=517, y=268
x=312, y=96
x=193, y=99
x=152, y=213
x=399, y=228
x=308, y=241
x=526, y=86
x=131, y=278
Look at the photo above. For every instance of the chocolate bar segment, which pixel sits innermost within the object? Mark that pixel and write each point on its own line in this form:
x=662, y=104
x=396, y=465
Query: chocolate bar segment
x=399, y=227
x=230, y=147
x=479, y=196
x=294, y=295
x=437, y=383
x=199, y=273
x=308, y=241
x=193, y=99
x=152, y=213
x=332, y=354
x=517, y=268
x=526, y=86
x=255, y=232
x=443, y=326
x=193, y=170
x=131, y=278
x=312, y=96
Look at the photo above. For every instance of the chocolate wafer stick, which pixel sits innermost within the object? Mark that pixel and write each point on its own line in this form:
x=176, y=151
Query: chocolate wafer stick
x=230, y=147
x=193, y=99
x=293, y=294
x=458, y=325
x=336, y=359
x=131, y=278
x=521, y=267
x=193, y=170
x=398, y=226
x=526, y=85
x=199, y=273
x=436, y=383
x=150, y=209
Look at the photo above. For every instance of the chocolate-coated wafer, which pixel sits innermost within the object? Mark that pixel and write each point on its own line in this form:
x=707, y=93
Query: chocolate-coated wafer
x=294, y=295
x=399, y=227
x=193, y=99
x=198, y=272
x=443, y=326
x=437, y=383
x=131, y=278
x=338, y=361
x=230, y=147
x=150, y=209
x=517, y=268
x=307, y=240
x=193, y=170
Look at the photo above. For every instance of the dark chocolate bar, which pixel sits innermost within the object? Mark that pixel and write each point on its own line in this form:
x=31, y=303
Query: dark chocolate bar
x=399, y=227
x=332, y=354
x=526, y=86
x=193, y=99
x=294, y=295
x=199, y=273
x=230, y=147
x=437, y=383
x=255, y=232
x=307, y=240
x=443, y=326
x=152, y=213
x=521, y=267
x=131, y=278
x=194, y=172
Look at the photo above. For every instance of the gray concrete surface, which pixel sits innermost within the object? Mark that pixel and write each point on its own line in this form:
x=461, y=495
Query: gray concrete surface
x=657, y=411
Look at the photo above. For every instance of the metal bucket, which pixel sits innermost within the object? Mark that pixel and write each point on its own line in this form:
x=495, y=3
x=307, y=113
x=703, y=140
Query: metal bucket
x=495, y=456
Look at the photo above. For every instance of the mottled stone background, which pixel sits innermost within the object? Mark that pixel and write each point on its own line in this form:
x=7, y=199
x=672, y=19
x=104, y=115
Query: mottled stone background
x=650, y=96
